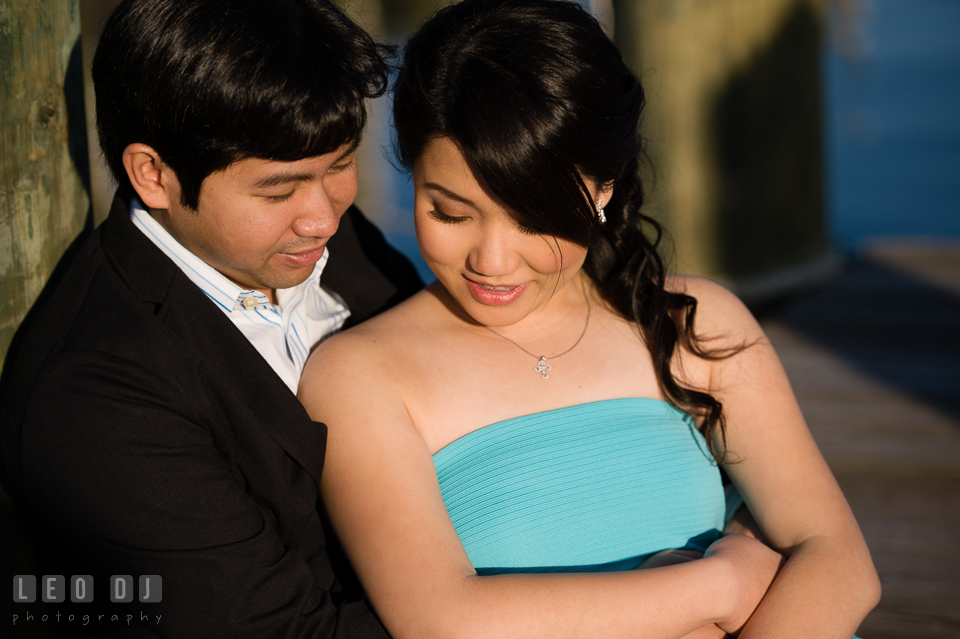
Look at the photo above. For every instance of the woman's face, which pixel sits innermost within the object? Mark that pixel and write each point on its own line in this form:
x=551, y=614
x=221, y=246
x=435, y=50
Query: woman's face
x=497, y=271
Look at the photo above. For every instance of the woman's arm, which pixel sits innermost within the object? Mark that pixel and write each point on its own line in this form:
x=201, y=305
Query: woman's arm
x=828, y=583
x=380, y=488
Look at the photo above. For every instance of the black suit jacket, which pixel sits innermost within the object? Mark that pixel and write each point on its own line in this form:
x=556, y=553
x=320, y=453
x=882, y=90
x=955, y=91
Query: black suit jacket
x=146, y=436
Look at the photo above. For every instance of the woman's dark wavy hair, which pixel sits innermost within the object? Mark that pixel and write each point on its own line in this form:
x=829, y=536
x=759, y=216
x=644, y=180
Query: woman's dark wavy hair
x=209, y=82
x=536, y=95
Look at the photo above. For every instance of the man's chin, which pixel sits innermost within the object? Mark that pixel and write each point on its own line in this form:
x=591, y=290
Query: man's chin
x=289, y=279
x=276, y=279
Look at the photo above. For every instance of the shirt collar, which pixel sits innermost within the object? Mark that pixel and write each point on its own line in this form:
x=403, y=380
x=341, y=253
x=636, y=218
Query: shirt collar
x=227, y=295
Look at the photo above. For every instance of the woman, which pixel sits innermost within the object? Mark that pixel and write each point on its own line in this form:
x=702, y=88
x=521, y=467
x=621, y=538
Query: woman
x=554, y=403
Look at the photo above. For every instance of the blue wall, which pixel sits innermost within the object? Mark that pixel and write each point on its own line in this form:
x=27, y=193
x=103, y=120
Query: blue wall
x=893, y=122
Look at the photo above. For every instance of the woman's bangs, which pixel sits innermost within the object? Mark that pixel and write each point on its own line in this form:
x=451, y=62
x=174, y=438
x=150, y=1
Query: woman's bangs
x=524, y=160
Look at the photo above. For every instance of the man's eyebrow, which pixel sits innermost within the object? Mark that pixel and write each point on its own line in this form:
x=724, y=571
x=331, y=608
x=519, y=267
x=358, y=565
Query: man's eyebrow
x=350, y=149
x=433, y=186
x=281, y=177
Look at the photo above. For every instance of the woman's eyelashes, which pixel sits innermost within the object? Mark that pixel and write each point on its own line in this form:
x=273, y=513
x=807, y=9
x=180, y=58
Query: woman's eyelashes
x=450, y=219
x=446, y=219
x=528, y=230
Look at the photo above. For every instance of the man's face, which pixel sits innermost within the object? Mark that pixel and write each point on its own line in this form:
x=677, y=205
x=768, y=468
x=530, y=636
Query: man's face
x=264, y=224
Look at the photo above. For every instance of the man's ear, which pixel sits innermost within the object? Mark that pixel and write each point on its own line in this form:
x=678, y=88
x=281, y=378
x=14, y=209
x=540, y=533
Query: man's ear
x=154, y=181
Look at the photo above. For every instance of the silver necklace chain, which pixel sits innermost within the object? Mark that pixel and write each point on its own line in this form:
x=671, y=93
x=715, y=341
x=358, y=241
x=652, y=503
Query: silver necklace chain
x=542, y=366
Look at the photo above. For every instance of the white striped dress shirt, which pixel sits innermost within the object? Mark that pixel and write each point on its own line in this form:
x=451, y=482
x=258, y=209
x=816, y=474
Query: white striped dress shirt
x=282, y=333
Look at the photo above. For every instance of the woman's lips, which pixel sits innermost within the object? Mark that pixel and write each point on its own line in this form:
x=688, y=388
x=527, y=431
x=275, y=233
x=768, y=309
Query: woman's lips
x=495, y=295
x=303, y=259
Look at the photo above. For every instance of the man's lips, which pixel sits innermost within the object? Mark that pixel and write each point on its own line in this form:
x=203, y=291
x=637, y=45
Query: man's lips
x=303, y=258
x=495, y=294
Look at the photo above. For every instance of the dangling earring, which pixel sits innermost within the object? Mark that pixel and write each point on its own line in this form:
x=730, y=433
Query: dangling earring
x=600, y=214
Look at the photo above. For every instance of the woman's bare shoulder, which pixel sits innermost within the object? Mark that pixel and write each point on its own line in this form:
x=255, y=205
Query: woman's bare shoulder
x=720, y=313
x=367, y=357
x=701, y=287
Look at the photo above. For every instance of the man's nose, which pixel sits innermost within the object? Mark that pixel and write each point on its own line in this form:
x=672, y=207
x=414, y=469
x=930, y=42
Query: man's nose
x=318, y=218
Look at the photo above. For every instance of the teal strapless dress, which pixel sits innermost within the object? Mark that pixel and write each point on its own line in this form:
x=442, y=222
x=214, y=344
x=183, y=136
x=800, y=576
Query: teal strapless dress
x=587, y=488
x=595, y=487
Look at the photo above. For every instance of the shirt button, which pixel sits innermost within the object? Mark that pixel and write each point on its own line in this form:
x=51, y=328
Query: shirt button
x=249, y=302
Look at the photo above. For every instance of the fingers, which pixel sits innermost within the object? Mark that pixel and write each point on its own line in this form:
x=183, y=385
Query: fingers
x=743, y=523
x=669, y=557
x=753, y=567
x=713, y=631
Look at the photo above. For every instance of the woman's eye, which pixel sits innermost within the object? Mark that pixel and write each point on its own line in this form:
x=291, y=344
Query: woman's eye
x=528, y=230
x=446, y=219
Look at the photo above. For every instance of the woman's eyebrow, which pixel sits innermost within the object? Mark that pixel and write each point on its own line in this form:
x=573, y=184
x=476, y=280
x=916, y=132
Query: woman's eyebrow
x=433, y=186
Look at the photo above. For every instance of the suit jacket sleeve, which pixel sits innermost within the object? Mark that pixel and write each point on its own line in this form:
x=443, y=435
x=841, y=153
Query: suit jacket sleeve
x=146, y=490
x=145, y=439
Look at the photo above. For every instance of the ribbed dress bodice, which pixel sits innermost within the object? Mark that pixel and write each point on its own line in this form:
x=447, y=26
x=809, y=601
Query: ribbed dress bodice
x=591, y=487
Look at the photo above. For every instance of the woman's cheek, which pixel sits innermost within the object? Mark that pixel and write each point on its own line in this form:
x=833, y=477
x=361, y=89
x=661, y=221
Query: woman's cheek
x=435, y=245
x=553, y=256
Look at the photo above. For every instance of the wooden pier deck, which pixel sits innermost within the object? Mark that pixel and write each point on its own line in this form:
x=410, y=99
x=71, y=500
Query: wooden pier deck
x=875, y=361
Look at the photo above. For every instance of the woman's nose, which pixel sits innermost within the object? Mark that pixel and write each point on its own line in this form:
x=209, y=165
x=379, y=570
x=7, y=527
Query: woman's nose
x=494, y=254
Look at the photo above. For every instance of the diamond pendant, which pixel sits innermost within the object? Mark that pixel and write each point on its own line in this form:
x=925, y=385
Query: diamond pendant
x=543, y=368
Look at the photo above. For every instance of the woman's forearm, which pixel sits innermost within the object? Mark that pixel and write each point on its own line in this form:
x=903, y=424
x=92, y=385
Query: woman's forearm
x=667, y=602
x=658, y=604
x=824, y=590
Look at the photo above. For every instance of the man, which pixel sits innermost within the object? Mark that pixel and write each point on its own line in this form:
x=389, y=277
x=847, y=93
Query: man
x=150, y=424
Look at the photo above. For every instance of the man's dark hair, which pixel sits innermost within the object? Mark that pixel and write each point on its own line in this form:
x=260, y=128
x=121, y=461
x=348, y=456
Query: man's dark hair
x=209, y=82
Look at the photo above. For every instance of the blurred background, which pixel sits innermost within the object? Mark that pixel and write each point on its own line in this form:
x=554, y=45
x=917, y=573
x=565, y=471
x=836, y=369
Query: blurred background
x=806, y=153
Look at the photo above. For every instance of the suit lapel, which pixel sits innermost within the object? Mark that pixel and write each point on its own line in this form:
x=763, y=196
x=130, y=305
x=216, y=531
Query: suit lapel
x=210, y=335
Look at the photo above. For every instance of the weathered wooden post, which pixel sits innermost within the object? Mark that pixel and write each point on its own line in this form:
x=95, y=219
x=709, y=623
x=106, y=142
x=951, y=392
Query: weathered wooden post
x=43, y=186
x=734, y=123
x=43, y=149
